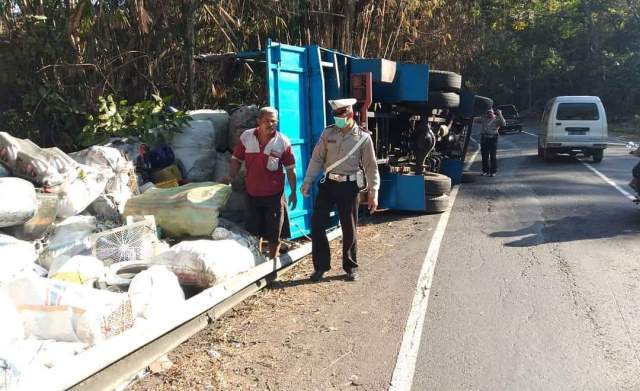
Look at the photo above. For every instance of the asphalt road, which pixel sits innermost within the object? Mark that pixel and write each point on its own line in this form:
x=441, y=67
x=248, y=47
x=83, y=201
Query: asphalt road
x=537, y=282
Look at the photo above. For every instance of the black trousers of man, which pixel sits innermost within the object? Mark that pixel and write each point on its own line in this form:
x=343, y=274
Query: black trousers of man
x=489, y=149
x=344, y=195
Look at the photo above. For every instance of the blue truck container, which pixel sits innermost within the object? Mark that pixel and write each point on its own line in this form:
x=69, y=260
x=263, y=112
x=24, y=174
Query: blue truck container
x=300, y=81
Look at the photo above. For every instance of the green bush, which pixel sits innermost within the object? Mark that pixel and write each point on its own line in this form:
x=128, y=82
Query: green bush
x=146, y=120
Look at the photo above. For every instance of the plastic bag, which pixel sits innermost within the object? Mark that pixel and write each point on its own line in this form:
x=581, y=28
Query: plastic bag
x=17, y=258
x=70, y=237
x=18, y=202
x=204, y=263
x=48, y=167
x=67, y=312
x=189, y=210
x=195, y=148
x=80, y=269
x=154, y=292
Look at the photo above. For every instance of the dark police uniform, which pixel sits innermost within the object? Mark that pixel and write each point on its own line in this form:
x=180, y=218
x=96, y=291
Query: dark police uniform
x=339, y=189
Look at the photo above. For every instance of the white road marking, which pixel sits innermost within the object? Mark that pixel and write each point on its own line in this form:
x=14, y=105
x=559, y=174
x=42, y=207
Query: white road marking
x=402, y=378
x=609, y=181
x=530, y=134
x=603, y=177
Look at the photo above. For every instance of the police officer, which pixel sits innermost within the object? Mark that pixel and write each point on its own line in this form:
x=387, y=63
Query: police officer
x=339, y=186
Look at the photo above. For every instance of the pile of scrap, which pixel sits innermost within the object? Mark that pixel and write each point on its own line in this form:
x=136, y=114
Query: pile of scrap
x=85, y=237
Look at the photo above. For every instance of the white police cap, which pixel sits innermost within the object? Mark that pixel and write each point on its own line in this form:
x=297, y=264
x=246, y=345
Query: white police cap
x=338, y=104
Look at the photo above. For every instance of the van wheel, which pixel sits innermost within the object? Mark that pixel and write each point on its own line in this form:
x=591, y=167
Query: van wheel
x=547, y=154
x=598, y=154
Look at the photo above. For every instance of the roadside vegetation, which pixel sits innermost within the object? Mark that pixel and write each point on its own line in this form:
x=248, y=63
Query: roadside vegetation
x=58, y=59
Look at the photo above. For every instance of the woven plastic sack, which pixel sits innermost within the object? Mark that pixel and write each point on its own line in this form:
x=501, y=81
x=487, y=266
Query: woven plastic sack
x=205, y=263
x=18, y=202
x=195, y=147
x=189, y=210
x=79, y=269
x=17, y=258
x=71, y=236
x=67, y=312
x=220, y=121
x=78, y=194
x=155, y=292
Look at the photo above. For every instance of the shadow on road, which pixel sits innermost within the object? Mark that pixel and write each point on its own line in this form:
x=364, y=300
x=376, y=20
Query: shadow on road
x=304, y=281
x=572, y=228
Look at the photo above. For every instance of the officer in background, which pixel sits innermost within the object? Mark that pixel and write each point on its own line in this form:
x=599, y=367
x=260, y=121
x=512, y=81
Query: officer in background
x=340, y=186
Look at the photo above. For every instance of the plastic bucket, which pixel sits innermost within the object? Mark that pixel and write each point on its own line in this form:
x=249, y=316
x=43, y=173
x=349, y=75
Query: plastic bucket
x=453, y=169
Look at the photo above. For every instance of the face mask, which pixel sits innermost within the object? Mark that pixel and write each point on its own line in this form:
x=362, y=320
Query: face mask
x=341, y=122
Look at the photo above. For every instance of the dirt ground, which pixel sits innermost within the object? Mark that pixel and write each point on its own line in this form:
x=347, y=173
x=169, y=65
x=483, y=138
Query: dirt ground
x=295, y=335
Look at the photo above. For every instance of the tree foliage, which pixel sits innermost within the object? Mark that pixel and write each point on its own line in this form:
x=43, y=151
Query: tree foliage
x=58, y=57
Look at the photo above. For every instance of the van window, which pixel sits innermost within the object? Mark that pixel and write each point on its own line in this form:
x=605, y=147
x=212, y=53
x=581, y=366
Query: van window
x=577, y=112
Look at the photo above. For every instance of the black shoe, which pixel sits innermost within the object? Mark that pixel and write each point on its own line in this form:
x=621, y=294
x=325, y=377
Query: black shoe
x=316, y=276
x=353, y=275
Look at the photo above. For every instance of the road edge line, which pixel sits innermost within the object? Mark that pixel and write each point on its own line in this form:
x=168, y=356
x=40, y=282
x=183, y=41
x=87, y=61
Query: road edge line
x=607, y=180
x=403, y=373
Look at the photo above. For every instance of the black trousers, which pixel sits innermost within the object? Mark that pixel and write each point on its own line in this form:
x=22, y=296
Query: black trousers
x=489, y=149
x=344, y=195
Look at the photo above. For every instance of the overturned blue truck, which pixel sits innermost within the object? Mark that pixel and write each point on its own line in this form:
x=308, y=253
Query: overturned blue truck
x=420, y=119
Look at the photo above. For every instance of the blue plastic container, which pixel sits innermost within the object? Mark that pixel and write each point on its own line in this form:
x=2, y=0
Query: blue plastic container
x=453, y=169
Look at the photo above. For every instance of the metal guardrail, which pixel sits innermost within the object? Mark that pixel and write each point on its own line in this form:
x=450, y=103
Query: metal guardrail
x=113, y=373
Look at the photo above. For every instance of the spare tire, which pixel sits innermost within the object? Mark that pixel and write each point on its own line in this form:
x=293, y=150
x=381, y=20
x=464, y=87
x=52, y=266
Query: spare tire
x=443, y=100
x=436, y=184
x=444, y=81
x=481, y=104
x=436, y=204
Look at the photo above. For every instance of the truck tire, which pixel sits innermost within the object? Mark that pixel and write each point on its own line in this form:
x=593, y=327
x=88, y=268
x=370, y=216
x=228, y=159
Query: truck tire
x=598, y=154
x=436, y=204
x=547, y=154
x=481, y=104
x=436, y=184
x=540, y=152
x=443, y=100
x=444, y=81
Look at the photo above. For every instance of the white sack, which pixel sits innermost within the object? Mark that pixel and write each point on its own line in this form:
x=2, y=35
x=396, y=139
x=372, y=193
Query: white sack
x=220, y=121
x=80, y=269
x=205, y=263
x=195, y=148
x=48, y=167
x=155, y=292
x=82, y=191
x=18, y=202
x=112, y=160
x=17, y=258
x=68, y=312
x=12, y=328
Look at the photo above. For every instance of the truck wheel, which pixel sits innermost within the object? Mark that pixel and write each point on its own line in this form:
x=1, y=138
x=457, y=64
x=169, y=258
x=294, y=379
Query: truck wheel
x=436, y=204
x=436, y=184
x=598, y=154
x=443, y=100
x=540, y=152
x=481, y=104
x=444, y=81
x=547, y=154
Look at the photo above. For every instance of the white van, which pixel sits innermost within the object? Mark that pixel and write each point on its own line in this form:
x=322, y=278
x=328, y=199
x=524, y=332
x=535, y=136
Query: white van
x=573, y=124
